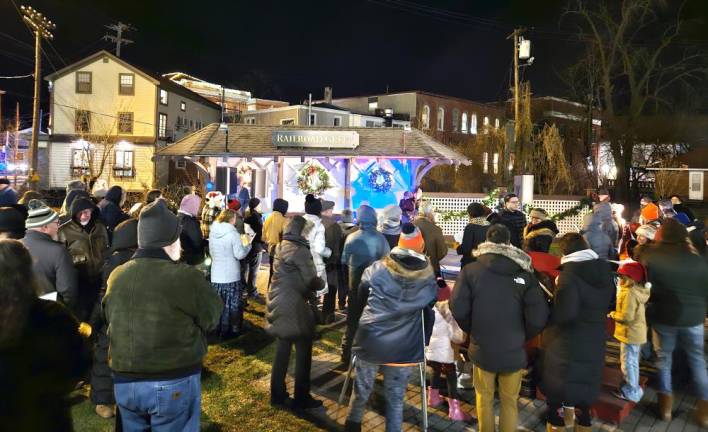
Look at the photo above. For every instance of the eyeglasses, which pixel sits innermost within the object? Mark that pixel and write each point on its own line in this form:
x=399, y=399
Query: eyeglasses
x=513, y=201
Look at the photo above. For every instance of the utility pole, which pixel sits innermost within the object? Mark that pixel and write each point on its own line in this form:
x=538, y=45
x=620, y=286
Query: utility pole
x=17, y=140
x=41, y=27
x=2, y=123
x=118, y=38
x=515, y=35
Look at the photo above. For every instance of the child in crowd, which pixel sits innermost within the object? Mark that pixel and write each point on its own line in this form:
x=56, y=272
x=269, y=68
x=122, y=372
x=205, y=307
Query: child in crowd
x=631, y=325
x=441, y=357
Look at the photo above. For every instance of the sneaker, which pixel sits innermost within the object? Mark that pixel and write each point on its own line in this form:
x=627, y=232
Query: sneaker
x=306, y=404
x=106, y=411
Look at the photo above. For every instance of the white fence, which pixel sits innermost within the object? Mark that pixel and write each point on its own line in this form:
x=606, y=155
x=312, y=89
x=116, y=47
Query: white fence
x=444, y=202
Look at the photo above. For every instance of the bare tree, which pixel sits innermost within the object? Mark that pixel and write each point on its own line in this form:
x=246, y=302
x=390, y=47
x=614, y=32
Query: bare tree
x=553, y=173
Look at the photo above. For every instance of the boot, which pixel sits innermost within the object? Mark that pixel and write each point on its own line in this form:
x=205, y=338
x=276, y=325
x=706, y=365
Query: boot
x=569, y=416
x=434, y=399
x=456, y=413
x=666, y=404
x=106, y=411
x=579, y=428
x=551, y=428
x=350, y=426
x=702, y=413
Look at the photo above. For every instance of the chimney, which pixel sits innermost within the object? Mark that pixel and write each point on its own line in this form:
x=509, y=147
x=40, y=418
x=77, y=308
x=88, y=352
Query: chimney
x=328, y=94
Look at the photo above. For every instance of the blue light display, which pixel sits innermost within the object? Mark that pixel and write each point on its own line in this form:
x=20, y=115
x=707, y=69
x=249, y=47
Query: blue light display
x=363, y=192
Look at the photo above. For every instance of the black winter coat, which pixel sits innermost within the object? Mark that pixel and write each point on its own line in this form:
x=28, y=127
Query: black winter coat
x=191, y=239
x=515, y=221
x=112, y=215
x=255, y=220
x=498, y=302
x=473, y=236
x=574, y=342
x=294, y=284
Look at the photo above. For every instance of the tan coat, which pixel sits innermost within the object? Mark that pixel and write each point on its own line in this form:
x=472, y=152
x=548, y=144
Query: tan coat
x=273, y=229
x=630, y=317
x=435, y=247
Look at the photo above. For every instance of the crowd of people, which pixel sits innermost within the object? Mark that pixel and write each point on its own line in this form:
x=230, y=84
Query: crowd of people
x=126, y=300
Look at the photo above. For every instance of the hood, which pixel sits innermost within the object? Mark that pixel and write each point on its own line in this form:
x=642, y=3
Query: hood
x=295, y=226
x=81, y=204
x=280, y=205
x=603, y=210
x=190, y=204
x=546, y=227
x=390, y=229
x=366, y=216
x=72, y=196
x=114, y=195
x=594, y=272
x=408, y=265
x=579, y=256
x=516, y=255
x=221, y=229
x=592, y=222
x=125, y=236
x=641, y=291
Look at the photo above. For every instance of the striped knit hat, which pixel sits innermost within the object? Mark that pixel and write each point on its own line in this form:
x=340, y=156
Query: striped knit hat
x=411, y=238
x=39, y=214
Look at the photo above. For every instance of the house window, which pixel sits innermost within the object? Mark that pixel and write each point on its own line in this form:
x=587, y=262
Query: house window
x=495, y=163
x=162, y=125
x=313, y=119
x=125, y=122
x=464, y=123
x=183, y=106
x=179, y=122
x=373, y=103
x=79, y=162
x=191, y=124
x=83, y=82
x=126, y=84
x=496, y=123
x=369, y=124
x=123, y=165
x=337, y=121
x=455, y=119
x=82, y=122
x=163, y=97
x=181, y=164
x=473, y=124
x=486, y=124
x=250, y=120
x=441, y=118
x=485, y=163
x=287, y=122
x=425, y=117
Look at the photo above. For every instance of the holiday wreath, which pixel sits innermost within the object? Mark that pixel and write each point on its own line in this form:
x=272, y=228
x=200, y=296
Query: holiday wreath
x=380, y=180
x=313, y=179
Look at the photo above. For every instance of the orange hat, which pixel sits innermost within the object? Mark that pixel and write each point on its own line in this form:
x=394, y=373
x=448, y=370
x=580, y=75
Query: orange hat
x=650, y=212
x=411, y=238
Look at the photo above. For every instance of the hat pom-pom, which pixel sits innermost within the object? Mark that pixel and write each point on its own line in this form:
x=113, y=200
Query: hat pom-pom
x=310, y=198
x=35, y=204
x=647, y=285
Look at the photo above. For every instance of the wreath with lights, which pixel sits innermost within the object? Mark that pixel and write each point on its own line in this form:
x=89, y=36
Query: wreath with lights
x=313, y=179
x=380, y=180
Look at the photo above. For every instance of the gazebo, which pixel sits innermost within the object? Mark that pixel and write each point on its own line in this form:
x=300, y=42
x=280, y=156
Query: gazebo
x=349, y=166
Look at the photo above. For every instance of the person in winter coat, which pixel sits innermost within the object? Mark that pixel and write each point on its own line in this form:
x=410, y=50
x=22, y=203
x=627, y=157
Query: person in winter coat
x=347, y=225
x=441, y=357
x=213, y=204
x=191, y=237
x=631, y=325
x=475, y=233
x=53, y=266
x=8, y=196
x=435, y=247
x=499, y=322
x=574, y=342
x=73, y=195
x=158, y=312
x=71, y=186
x=252, y=262
x=512, y=218
x=537, y=245
x=150, y=196
x=539, y=220
x=12, y=223
x=125, y=243
x=361, y=249
x=226, y=248
x=110, y=207
x=42, y=353
x=603, y=208
x=597, y=238
x=649, y=211
x=407, y=205
x=680, y=207
x=273, y=229
x=677, y=310
x=318, y=242
x=390, y=225
x=333, y=241
x=390, y=336
x=289, y=314
x=86, y=239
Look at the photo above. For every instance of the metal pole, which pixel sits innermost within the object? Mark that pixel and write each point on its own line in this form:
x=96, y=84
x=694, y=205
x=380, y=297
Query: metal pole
x=309, y=110
x=346, y=380
x=35, y=108
x=424, y=393
x=17, y=141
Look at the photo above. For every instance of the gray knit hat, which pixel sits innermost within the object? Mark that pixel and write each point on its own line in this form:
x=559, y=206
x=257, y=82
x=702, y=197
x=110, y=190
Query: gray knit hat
x=157, y=226
x=39, y=214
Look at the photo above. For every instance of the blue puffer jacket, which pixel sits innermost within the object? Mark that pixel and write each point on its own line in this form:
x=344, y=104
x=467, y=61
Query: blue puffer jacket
x=363, y=247
x=597, y=238
x=400, y=286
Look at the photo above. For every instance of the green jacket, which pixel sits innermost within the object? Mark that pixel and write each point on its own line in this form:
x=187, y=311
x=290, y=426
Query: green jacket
x=88, y=249
x=158, y=313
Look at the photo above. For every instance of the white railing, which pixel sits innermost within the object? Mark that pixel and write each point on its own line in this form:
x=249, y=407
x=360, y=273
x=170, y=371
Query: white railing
x=458, y=202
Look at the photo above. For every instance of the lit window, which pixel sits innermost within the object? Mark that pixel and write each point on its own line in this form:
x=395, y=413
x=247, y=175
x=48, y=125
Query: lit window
x=455, y=119
x=125, y=122
x=183, y=106
x=82, y=122
x=441, y=118
x=425, y=117
x=123, y=166
x=337, y=121
x=80, y=162
x=485, y=162
x=496, y=123
x=162, y=125
x=127, y=83
x=286, y=122
x=250, y=120
x=313, y=119
x=495, y=163
x=486, y=124
x=464, y=123
x=83, y=82
x=373, y=103
x=473, y=124
x=163, y=97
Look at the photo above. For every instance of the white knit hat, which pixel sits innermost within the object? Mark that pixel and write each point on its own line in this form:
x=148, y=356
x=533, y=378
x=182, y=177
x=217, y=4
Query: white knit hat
x=648, y=231
x=39, y=214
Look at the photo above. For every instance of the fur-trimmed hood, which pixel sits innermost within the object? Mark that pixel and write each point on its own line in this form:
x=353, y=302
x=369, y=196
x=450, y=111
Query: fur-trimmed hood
x=407, y=264
x=513, y=253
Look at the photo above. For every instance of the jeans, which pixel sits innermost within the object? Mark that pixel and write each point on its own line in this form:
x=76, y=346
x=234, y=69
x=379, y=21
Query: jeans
x=395, y=382
x=169, y=405
x=334, y=290
x=666, y=340
x=249, y=271
x=509, y=386
x=629, y=362
x=303, y=364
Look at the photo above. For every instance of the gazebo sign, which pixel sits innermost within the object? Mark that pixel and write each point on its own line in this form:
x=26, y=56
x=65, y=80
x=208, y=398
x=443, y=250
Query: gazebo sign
x=316, y=139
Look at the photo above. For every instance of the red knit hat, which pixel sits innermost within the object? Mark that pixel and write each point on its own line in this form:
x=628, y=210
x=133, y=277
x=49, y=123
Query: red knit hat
x=633, y=270
x=411, y=238
x=234, y=204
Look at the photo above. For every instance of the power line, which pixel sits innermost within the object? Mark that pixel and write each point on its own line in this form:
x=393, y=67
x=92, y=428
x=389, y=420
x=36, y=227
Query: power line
x=17, y=76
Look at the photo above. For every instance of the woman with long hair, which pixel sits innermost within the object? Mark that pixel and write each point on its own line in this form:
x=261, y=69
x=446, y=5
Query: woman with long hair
x=42, y=353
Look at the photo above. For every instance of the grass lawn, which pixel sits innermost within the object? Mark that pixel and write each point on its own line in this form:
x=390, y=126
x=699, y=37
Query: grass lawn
x=234, y=396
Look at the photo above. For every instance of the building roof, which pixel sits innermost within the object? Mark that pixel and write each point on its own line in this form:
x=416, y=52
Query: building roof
x=492, y=105
x=173, y=87
x=256, y=141
x=695, y=158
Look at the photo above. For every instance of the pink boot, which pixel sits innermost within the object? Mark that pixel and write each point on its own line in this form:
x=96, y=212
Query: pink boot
x=455, y=412
x=434, y=399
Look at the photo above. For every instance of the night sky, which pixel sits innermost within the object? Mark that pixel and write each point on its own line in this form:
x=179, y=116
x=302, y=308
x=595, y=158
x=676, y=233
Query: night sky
x=286, y=49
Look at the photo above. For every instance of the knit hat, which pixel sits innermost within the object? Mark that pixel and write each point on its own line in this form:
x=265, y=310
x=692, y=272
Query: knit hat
x=114, y=195
x=411, y=238
x=650, y=212
x=366, y=216
x=190, y=204
x=347, y=216
x=392, y=215
x=327, y=205
x=39, y=214
x=234, y=204
x=12, y=221
x=157, y=226
x=75, y=185
x=444, y=293
x=313, y=206
x=125, y=236
x=633, y=270
x=253, y=203
x=538, y=214
x=280, y=205
x=648, y=231
x=671, y=231
x=81, y=204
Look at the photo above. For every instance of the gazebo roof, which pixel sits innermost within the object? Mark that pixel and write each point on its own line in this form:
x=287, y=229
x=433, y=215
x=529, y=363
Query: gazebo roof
x=256, y=141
